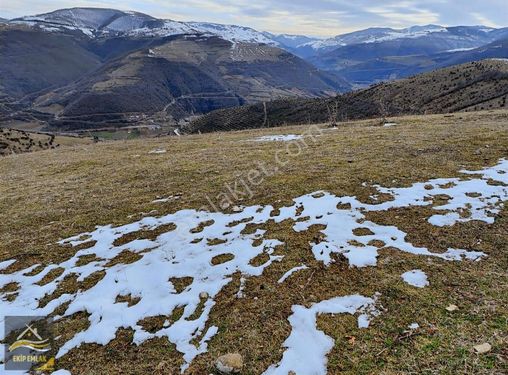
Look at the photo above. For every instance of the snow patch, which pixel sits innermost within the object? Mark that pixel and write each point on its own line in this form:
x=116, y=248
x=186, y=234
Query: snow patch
x=7, y=263
x=188, y=249
x=292, y=271
x=306, y=346
x=278, y=138
x=416, y=278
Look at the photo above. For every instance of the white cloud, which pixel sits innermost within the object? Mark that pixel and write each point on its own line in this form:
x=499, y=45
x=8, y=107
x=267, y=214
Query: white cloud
x=482, y=20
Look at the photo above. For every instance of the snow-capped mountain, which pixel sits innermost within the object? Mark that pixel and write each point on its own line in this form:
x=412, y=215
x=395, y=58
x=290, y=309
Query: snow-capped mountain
x=291, y=41
x=97, y=22
x=100, y=22
x=233, y=33
x=90, y=21
x=378, y=35
x=359, y=56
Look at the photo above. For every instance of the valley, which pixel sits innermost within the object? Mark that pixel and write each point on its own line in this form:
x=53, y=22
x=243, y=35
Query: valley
x=80, y=69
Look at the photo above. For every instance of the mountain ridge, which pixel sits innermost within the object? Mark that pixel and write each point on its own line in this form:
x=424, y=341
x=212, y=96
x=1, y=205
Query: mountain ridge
x=90, y=20
x=472, y=86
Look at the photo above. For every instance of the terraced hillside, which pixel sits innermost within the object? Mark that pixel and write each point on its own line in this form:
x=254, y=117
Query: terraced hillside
x=468, y=87
x=180, y=76
x=382, y=249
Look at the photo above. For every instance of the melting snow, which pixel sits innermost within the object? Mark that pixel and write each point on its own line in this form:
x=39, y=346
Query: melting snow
x=291, y=271
x=158, y=151
x=188, y=250
x=306, y=346
x=167, y=199
x=278, y=138
x=416, y=278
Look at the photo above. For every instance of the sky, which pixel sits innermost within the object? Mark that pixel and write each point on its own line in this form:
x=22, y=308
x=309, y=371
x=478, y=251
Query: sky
x=323, y=18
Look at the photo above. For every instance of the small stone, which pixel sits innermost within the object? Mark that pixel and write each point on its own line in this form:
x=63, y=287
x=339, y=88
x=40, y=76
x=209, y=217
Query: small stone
x=452, y=308
x=203, y=295
x=237, y=209
x=291, y=373
x=483, y=348
x=230, y=363
x=414, y=326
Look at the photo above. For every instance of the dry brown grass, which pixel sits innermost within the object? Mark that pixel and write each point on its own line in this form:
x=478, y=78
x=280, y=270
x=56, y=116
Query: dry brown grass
x=54, y=194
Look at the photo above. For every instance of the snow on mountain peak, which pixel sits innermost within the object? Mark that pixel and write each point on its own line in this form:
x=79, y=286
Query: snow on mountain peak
x=232, y=33
x=97, y=21
x=376, y=35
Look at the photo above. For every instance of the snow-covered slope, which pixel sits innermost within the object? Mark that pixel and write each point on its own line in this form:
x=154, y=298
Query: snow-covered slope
x=291, y=41
x=99, y=22
x=90, y=21
x=377, y=35
x=233, y=33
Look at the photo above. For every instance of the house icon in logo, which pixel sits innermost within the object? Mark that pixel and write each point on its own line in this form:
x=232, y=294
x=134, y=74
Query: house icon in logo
x=30, y=339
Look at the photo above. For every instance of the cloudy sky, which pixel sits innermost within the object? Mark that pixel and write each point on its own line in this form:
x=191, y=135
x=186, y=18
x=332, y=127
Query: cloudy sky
x=311, y=17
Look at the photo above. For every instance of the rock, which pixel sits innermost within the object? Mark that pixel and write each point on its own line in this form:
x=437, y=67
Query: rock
x=203, y=295
x=237, y=209
x=158, y=151
x=230, y=363
x=291, y=373
x=452, y=308
x=483, y=348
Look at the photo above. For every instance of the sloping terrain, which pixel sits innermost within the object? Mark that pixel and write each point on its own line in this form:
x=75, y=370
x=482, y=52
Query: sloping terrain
x=14, y=141
x=87, y=68
x=319, y=268
x=91, y=68
x=392, y=66
x=33, y=61
x=380, y=54
x=182, y=76
x=467, y=87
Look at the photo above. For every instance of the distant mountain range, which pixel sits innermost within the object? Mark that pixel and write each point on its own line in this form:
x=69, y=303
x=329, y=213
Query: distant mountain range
x=100, y=22
x=90, y=67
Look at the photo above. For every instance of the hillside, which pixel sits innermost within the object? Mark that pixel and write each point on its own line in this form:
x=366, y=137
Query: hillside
x=85, y=68
x=384, y=66
x=373, y=55
x=347, y=234
x=33, y=61
x=78, y=69
x=182, y=76
x=468, y=87
x=14, y=141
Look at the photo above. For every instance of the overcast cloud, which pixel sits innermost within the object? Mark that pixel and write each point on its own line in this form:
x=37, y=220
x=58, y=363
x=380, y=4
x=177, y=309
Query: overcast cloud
x=317, y=17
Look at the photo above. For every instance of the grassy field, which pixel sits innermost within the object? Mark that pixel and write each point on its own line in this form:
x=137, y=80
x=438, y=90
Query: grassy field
x=54, y=194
